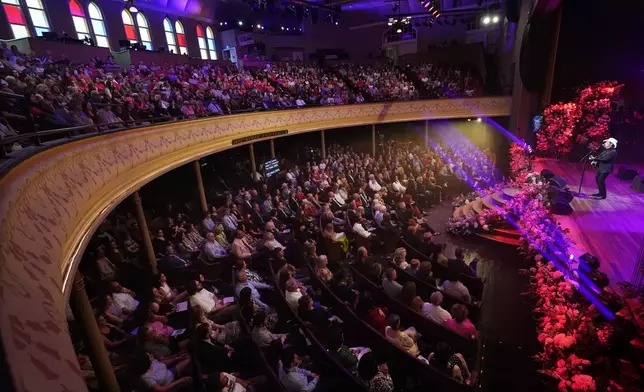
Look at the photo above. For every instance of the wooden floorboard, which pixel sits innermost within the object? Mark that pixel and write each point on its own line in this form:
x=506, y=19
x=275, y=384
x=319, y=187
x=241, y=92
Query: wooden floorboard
x=611, y=229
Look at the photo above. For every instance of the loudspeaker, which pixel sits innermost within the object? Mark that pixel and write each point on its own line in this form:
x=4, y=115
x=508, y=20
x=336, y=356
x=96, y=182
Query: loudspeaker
x=626, y=173
x=547, y=174
x=638, y=183
x=560, y=206
x=588, y=262
x=558, y=182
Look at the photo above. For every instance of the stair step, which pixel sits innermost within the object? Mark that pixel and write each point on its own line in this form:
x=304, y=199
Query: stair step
x=506, y=231
x=500, y=238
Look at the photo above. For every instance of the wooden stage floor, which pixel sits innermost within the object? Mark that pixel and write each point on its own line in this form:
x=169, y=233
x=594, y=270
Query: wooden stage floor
x=611, y=229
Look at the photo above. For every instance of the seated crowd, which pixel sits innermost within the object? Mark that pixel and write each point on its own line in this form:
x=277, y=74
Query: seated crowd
x=214, y=308
x=447, y=82
x=101, y=95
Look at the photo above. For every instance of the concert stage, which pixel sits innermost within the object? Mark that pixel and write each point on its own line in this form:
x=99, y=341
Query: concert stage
x=611, y=229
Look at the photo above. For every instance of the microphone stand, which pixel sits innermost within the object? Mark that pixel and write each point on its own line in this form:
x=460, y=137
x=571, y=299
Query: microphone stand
x=583, y=170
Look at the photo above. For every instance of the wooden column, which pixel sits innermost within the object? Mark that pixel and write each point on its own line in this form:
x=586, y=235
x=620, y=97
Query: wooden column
x=272, y=148
x=200, y=188
x=524, y=103
x=373, y=140
x=323, y=144
x=145, y=233
x=84, y=314
x=253, y=166
x=426, y=132
x=550, y=73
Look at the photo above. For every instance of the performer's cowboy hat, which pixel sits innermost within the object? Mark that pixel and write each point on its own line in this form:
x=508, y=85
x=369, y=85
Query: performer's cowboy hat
x=612, y=141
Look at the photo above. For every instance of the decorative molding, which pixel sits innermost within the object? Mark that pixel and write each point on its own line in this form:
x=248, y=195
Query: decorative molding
x=51, y=203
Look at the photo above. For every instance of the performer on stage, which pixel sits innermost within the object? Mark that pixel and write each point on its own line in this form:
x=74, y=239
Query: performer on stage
x=603, y=163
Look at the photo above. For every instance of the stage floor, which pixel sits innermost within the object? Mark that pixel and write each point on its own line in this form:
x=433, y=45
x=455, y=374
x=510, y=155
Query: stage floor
x=611, y=229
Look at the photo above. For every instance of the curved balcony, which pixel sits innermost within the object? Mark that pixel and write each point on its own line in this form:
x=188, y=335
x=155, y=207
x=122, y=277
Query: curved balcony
x=52, y=201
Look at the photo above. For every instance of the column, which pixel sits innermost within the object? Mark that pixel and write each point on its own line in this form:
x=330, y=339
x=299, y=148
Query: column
x=550, y=73
x=253, y=166
x=524, y=103
x=426, y=132
x=373, y=140
x=84, y=314
x=323, y=144
x=272, y=148
x=145, y=233
x=200, y=188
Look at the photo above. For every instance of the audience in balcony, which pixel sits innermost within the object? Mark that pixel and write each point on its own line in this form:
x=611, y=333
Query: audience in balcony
x=459, y=322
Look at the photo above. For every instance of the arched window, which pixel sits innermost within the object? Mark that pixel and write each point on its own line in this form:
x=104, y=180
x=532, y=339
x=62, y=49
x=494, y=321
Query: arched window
x=181, y=38
x=79, y=19
x=16, y=18
x=169, y=36
x=201, y=39
x=38, y=17
x=130, y=28
x=212, y=49
x=144, y=30
x=98, y=26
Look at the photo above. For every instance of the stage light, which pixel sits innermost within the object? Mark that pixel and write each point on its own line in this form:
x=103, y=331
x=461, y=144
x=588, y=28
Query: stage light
x=337, y=23
x=287, y=29
x=240, y=23
x=495, y=19
x=398, y=30
x=479, y=119
x=486, y=20
x=259, y=27
x=469, y=119
x=389, y=23
x=225, y=23
x=221, y=23
x=133, y=9
x=282, y=27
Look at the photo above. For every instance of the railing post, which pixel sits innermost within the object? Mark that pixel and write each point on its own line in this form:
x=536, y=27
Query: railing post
x=323, y=144
x=253, y=165
x=200, y=188
x=426, y=132
x=272, y=148
x=373, y=140
x=83, y=313
x=145, y=233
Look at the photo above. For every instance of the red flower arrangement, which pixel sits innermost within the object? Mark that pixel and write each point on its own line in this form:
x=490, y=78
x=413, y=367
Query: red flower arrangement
x=584, y=120
x=520, y=164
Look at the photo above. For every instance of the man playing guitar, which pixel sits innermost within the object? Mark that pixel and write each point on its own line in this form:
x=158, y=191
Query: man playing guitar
x=603, y=163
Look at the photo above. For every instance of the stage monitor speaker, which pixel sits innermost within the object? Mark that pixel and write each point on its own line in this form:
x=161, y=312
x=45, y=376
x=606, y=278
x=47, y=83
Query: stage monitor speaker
x=547, y=174
x=588, y=262
x=560, y=207
x=638, y=183
x=558, y=182
x=626, y=173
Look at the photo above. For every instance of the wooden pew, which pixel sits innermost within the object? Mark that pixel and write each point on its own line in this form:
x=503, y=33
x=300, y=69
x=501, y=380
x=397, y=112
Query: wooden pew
x=474, y=285
x=318, y=351
x=431, y=331
x=425, y=290
x=400, y=362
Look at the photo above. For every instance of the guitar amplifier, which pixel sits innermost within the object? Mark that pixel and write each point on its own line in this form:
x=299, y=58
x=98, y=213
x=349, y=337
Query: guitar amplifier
x=638, y=184
x=626, y=173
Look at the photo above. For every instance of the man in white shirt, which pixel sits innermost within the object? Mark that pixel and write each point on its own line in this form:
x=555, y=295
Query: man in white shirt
x=433, y=310
x=123, y=298
x=292, y=293
x=212, y=250
x=198, y=296
x=373, y=184
x=360, y=230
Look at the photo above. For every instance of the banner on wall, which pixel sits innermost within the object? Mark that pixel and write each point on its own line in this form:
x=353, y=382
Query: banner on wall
x=245, y=39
